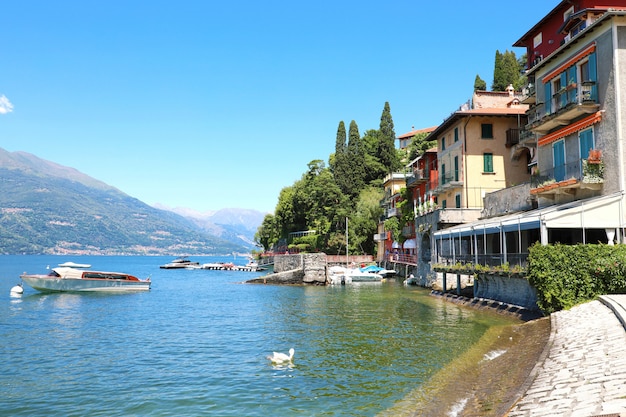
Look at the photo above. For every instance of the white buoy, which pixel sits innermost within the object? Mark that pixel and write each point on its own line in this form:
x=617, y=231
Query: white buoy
x=17, y=290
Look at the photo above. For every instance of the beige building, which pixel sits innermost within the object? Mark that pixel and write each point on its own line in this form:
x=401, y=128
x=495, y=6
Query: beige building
x=474, y=150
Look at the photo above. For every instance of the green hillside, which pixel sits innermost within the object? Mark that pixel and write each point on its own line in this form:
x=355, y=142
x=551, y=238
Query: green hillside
x=57, y=210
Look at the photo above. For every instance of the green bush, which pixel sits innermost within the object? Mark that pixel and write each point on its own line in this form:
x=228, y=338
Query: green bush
x=566, y=275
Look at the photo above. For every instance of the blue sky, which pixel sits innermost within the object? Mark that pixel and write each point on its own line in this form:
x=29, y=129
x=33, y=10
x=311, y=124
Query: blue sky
x=208, y=105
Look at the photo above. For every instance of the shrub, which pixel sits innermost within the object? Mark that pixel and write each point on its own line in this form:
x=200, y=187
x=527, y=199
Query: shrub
x=566, y=275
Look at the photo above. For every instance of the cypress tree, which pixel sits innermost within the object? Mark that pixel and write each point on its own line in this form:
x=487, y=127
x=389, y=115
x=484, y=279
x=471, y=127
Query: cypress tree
x=507, y=70
x=340, y=162
x=386, y=143
x=355, y=161
x=479, y=84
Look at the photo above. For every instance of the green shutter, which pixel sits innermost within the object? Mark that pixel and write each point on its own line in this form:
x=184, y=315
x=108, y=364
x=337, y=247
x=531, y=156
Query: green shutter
x=487, y=162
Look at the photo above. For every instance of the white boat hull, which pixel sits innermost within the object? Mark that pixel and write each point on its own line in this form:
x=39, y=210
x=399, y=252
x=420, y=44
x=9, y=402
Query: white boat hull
x=50, y=283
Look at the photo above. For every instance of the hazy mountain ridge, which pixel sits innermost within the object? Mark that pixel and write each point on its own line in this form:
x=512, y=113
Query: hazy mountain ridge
x=232, y=224
x=48, y=208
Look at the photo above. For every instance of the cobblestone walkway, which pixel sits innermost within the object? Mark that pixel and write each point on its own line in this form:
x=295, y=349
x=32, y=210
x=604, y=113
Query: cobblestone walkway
x=584, y=372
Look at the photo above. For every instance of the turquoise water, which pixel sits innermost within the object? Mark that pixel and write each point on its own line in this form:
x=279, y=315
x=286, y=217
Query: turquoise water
x=196, y=344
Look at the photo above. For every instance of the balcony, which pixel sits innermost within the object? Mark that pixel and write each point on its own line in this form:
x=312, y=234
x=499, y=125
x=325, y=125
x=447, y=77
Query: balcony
x=512, y=137
x=392, y=212
x=567, y=104
x=450, y=179
x=567, y=178
x=528, y=95
x=381, y=237
x=418, y=176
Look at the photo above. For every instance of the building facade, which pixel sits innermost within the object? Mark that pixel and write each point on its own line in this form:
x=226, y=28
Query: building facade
x=574, y=140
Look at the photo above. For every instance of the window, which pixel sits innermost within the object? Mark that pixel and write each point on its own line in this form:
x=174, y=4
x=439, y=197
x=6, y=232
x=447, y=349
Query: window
x=443, y=143
x=558, y=153
x=457, y=201
x=586, y=142
x=456, y=134
x=444, y=204
x=456, y=168
x=487, y=162
x=584, y=71
x=537, y=39
x=487, y=130
x=568, y=13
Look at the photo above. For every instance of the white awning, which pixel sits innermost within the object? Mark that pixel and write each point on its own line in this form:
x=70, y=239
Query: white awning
x=395, y=245
x=409, y=244
x=604, y=212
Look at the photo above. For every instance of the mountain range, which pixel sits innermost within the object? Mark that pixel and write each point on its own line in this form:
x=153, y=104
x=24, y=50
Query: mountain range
x=53, y=209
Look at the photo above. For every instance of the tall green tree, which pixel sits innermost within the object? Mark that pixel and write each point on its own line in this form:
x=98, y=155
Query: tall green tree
x=355, y=180
x=479, y=84
x=375, y=171
x=340, y=161
x=387, y=142
x=420, y=144
x=364, y=221
x=507, y=70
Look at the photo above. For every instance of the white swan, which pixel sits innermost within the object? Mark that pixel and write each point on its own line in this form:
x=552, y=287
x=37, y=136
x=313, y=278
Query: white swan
x=278, y=357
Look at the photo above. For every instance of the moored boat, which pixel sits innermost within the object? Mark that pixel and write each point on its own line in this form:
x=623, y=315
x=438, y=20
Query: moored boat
x=180, y=263
x=72, y=279
x=378, y=270
x=74, y=265
x=341, y=275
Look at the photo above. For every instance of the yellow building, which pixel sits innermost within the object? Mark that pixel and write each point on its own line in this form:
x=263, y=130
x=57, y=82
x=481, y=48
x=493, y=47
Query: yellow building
x=474, y=150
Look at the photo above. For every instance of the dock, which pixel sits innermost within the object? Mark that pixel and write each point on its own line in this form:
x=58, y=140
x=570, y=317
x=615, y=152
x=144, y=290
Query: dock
x=231, y=267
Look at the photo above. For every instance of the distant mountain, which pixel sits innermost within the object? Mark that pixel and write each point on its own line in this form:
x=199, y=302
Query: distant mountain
x=231, y=224
x=53, y=209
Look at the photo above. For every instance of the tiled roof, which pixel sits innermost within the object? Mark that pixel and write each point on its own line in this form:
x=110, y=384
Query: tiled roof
x=415, y=132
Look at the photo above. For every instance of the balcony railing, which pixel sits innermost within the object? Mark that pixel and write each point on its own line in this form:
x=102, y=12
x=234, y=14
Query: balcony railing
x=408, y=231
x=381, y=237
x=418, y=176
x=512, y=137
x=585, y=172
x=565, y=105
x=392, y=212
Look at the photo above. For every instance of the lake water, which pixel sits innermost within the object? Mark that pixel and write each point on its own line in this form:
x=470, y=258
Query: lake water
x=196, y=344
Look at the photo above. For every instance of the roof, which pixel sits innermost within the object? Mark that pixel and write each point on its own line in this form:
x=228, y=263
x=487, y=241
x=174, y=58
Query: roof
x=457, y=115
x=415, y=132
x=606, y=16
x=520, y=41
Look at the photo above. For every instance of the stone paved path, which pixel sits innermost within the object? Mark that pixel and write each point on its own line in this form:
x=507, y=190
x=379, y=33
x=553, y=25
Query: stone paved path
x=584, y=372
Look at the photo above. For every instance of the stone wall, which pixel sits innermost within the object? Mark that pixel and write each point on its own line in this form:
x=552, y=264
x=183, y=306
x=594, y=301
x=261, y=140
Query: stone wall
x=309, y=268
x=509, y=290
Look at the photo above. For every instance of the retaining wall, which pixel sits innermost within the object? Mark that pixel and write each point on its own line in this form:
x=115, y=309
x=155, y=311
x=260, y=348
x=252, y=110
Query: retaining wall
x=507, y=289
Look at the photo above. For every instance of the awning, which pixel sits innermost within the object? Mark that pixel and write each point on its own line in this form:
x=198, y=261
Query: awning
x=395, y=245
x=598, y=213
x=409, y=244
x=604, y=212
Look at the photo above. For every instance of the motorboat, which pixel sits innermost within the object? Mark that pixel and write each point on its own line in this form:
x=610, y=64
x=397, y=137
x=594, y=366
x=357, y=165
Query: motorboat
x=180, y=263
x=343, y=275
x=73, y=279
x=378, y=270
x=74, y=265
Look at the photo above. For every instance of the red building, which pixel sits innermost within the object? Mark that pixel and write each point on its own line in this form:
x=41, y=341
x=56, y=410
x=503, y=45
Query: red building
x=564, y=22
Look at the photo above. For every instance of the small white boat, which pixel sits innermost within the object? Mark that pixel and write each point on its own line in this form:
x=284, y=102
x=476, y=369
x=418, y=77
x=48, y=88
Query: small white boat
x=72, y=279
x=180, y=263
x=74, y=265
x=378, y=270
x=340, y=275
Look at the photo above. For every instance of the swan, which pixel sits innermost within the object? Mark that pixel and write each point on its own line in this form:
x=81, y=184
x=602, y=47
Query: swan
x=278, y=357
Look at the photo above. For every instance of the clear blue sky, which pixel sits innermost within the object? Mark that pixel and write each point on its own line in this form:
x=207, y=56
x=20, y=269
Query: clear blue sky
x=208, y=105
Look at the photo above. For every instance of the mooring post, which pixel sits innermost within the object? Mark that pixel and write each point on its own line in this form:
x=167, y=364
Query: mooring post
x=458, y=284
